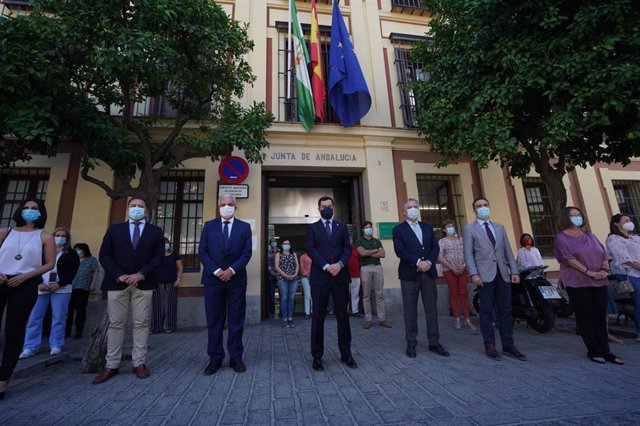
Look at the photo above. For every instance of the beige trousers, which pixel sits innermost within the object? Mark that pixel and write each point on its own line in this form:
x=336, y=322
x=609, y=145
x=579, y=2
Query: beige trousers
x=118, y=305
x=372, y=278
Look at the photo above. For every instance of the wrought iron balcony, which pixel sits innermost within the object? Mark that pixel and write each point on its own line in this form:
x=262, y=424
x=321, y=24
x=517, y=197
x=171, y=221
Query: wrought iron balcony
x=413, y=7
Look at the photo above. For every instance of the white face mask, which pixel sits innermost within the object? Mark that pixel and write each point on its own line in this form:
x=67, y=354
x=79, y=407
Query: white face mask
x=413, y=213
x=136, y=213
x=629, y=226
x=227, y=211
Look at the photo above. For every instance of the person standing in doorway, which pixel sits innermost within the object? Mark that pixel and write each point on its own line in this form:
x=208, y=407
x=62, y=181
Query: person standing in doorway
x=287, y=268
x=371, y=251
x=272, y=276
x=492, y=267
x=131, y=254
x=417, y=247
x=305, y=270
x=225, y=251
x=84, y=283
x=327, y=243
x=354, y=285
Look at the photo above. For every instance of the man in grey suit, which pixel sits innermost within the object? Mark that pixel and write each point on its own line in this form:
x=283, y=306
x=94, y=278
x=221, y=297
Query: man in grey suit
x=492, y=267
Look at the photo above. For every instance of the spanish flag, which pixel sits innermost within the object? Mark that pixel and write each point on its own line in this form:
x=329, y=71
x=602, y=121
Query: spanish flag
x=317, y=83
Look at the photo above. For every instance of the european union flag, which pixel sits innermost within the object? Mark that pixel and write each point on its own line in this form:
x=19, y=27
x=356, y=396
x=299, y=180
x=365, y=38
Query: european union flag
x=348, y=92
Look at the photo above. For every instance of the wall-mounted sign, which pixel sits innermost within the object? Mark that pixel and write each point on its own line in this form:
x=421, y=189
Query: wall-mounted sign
x=238, y=191
x=385, y=230
x=233, y=169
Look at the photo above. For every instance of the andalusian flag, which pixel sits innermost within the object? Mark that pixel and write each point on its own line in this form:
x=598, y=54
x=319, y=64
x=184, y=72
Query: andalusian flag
x=306, y=111
x=317, y=78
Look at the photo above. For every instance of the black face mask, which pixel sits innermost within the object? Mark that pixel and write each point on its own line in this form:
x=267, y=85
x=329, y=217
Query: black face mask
x=326, y=213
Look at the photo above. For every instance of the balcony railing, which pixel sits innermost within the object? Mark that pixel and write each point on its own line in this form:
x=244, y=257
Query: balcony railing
x=413, y=7
x=18, y=4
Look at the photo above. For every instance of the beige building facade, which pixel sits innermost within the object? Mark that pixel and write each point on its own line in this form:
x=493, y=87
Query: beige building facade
x=370, y=169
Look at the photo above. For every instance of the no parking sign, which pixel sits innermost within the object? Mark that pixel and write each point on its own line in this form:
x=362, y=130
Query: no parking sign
x=233, y=169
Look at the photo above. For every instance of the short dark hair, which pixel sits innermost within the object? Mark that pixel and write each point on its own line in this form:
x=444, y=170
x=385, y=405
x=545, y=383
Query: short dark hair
x=565, y=219
x=325, y=198
x=613, y=225
x=473, y=203
x=138, y=198
x=84, y=247
x=365, y=223
x=42, y=220
x=523, y=236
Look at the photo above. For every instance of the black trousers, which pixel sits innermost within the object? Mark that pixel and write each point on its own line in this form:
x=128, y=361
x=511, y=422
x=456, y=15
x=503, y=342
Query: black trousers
x=320, y=299
x=77, y=307
x=590, y=304
x=423, y=287
x=18, y=303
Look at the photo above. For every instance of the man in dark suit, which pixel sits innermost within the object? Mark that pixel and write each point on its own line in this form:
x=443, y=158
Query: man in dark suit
x=225, y=250
x=327, y=243
x=417, y=247
x=130, y=254
x=492, y=267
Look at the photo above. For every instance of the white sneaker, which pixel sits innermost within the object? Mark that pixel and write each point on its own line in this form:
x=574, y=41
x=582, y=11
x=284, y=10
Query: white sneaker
x=55, y=351
x=27, y=353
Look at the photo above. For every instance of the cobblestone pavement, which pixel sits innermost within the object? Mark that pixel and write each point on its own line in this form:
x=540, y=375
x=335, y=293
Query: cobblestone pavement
x=557, y=386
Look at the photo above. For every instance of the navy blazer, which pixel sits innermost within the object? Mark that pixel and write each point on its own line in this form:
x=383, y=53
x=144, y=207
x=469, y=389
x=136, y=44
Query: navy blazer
x=409, y=250
x=118, y=257
x=236, y=255
x=324, y=251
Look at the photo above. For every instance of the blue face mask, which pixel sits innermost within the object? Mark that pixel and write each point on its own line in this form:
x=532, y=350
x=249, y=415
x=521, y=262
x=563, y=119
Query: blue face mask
x=60, y=241
x=167, y=246
x=483, y=212
x=80, y=253
x=136, y=213
x=30, y=216
x=577, y=221
x=413, y=213
x=368, y=232
x=286, y=247
x=451, y=230
x=274, y=244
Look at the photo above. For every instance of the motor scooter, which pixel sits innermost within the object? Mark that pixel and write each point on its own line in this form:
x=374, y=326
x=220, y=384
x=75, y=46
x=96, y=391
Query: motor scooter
x=531, y=299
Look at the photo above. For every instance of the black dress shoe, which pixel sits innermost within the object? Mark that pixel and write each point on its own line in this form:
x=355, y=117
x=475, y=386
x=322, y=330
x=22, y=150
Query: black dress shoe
x=317, y=364
x=411, y=351
x=439, y=349
x=238, y=366
x=348, y=359
x=212, y=368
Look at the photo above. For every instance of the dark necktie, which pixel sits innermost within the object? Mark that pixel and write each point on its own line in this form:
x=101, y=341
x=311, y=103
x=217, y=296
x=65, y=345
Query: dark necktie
x=136, y=235
x=225, y=234
x=490, y=234
x=327, y=227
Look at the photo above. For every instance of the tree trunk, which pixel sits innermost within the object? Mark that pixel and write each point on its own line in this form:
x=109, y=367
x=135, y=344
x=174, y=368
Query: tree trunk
x=94, y=359
x=557, y=192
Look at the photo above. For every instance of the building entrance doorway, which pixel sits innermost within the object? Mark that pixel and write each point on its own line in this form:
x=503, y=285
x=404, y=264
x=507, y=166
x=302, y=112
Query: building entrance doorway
x=292, y=204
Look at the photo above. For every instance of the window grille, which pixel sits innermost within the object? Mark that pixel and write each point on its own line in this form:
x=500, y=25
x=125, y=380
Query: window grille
x=543, y=224
x=440, y=199
x=16, y=184
x=180, y=205
x=288, y=108
x=408, y=72
x=627, y=194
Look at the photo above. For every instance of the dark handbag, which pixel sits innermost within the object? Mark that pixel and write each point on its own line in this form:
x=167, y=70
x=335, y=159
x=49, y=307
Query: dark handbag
x=621, y=287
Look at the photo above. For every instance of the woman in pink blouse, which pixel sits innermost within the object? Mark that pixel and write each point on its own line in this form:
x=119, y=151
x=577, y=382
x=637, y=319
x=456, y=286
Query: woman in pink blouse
x=584, y=267
x=305, y=270
x=624, y=248
x=455, y=273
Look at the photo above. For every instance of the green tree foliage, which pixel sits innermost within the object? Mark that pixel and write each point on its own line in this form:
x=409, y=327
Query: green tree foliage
x=547, y=83
x=74, y=71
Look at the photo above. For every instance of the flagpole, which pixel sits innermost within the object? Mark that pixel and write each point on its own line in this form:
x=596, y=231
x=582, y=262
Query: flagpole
x=289, y=55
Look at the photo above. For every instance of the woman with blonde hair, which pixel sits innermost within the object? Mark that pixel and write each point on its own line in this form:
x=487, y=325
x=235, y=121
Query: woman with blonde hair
x=56, y=290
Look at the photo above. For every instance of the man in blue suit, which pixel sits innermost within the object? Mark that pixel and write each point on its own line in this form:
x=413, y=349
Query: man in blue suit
x=417, y=247
x=328, y=245
x=225, y=250
x=130, y=254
